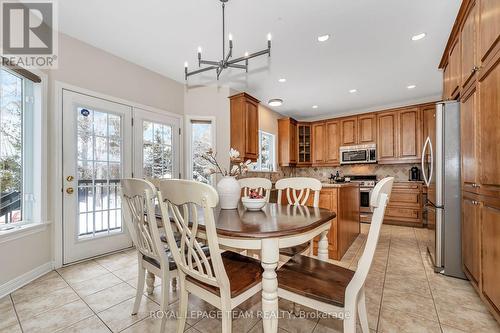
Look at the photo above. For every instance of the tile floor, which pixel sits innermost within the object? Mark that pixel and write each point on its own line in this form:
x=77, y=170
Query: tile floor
x=403, y=295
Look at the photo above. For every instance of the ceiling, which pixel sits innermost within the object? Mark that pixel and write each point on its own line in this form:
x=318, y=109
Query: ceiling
x=370, y=48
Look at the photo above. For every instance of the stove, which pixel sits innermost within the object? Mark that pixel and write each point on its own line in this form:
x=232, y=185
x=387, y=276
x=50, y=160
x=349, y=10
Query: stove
x=366, y=185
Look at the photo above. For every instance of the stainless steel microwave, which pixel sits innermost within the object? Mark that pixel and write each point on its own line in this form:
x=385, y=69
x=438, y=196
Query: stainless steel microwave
x=358, y=154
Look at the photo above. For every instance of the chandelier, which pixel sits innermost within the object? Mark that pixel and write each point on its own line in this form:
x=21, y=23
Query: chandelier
x=226, y=61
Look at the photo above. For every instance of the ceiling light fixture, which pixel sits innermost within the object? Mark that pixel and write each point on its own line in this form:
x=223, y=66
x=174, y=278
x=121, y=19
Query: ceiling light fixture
x=411, y=86
x=323, y=38
x=315, y=106
x=220, y=65
x=275, y=102
x=418, y=37
x=282, y=80
x=352, y=91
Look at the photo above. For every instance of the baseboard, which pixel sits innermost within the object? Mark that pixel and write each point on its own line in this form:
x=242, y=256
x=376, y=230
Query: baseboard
x=24, y=279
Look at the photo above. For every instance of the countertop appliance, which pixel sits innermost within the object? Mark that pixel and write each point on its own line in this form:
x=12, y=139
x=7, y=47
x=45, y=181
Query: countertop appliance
x=441, y=175
x=366, y=185
x=414, y=174
x=358, y=154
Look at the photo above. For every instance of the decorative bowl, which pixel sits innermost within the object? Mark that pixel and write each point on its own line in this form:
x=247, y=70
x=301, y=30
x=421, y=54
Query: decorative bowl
x=253, y=204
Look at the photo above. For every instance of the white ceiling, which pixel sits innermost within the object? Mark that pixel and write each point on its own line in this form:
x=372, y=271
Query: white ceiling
x=370, y=47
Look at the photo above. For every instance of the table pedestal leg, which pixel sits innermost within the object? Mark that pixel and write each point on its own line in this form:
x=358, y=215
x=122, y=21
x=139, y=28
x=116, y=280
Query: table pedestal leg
x=269, y=259
x=323, y=246
x=150, y=282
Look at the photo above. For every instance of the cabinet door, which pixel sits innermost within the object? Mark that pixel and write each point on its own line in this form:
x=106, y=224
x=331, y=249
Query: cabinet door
x=429, y=124
x=410, y=133
x=447, y=82
x=348, y=131
x=490, y=251
x=318, y=142
x=468, y=37
x=455, y=68
x=489, y=26
x=468, y=141
x=252, y=131
x=489, y=133
x=470, y=237
x=293, y=143
x=332, y=142
x=367, y=129
x=386, y=134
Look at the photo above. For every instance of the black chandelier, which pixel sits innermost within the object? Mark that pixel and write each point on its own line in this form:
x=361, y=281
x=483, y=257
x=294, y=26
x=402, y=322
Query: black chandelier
x=226, y=61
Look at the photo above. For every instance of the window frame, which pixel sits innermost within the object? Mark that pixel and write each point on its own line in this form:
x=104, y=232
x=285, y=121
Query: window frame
x=257, y=166
x=188, y=120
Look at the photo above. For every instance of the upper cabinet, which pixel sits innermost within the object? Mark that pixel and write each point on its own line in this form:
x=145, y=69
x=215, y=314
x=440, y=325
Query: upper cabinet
x=348, y=131
x=318, y=139
x=287, y=142
x=455, y=69
x=326, y=143
x=489, y=28
x=399, y=136
x=367, y=128
x=305, y=144
x=468, y=45
x=244, y=116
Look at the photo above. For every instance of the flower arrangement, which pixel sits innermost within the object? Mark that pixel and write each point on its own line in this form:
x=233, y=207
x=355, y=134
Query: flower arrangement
x=236, y=168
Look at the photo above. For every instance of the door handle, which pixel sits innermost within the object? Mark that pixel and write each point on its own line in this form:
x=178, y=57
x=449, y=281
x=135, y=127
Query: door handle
x=70, y=190
x=70, y=178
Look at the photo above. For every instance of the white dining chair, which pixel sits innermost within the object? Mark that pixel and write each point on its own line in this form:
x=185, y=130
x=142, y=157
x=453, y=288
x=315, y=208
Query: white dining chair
x=333, y=289
x=261, y=185
x=297, y=191
x=139, y=198
x=224, y=280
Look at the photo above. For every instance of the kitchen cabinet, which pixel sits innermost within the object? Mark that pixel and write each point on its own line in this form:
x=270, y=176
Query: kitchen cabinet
x=455, y=69
x=367, y=128
x=429, y=125
x=470, y=238
x=305, y=144
x=244, y=120
x=326, y=143
x=468, y=138
x=287, y=142
x=490, y=252
x=447, y=82
x=387, y=136
x=468, y=35
x=348, y=131
x=319, y=135
x=405, y=204
x=489, y=28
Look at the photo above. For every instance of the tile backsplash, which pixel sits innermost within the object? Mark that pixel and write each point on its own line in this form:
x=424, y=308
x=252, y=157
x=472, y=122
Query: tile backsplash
x=399, y=171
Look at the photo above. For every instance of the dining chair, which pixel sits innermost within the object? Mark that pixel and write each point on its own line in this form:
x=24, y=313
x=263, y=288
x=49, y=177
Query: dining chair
x=152, y=254
x=226, y=279
x=261, y=185
x=330, y=288
x=297, y=191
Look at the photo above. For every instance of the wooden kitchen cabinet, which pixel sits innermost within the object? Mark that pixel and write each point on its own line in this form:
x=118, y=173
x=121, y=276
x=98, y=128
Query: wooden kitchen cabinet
x=367, y=128
x=349, y=131
x=455, y=69
x=468, y=35
x=468, y=138
x=287, y=142
x=326, y=143
x=410, y=132
x=490, y=252
x=244, y=119
x=405, y=204
x=429, y=125
x=471, y=230
x=447, y=82
x=387, y=136
x=305, y=144
x=318, y=139
x=489, y=28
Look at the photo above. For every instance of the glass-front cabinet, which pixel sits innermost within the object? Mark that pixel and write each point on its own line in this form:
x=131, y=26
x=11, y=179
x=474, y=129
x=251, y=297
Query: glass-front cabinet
x=304, y=144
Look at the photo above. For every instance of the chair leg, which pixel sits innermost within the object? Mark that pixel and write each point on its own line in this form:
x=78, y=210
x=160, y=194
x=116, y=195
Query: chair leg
x=350, y=314
x=165, y=287
x=363, y=316
x=226, y=318
x=311, y=248
x=183, y=303
x=141, y=275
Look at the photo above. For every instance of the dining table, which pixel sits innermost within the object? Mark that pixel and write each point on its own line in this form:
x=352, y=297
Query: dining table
x=268, y=230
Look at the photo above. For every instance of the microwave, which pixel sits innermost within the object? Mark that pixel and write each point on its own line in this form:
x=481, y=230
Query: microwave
x=358, y=154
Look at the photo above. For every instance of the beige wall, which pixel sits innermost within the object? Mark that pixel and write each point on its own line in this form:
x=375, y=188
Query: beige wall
x=90, y=68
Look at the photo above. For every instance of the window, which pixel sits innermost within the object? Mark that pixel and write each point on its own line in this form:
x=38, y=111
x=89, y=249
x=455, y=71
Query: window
x=157, y=150
x=266, y=160
x=201, y=139
x=17, y=148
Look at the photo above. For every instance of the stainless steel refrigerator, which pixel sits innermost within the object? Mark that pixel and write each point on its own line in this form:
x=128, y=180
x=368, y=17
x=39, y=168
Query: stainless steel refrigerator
x=441, y=173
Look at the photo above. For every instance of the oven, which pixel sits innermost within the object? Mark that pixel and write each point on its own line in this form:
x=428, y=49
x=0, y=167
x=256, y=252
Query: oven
x=366, y=186
x=365, y=194
x=358, y=154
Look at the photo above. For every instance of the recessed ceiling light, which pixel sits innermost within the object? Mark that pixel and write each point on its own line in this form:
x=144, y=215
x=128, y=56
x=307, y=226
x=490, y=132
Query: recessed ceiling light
x=282, y=80
x=352, y=91
x=314, y=106
x=419, y=36
x=323, y=38
x=411, y=86
x=275, y=102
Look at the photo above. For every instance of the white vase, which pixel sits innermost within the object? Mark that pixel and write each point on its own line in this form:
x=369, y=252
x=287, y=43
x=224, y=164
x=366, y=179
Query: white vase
x=229, y=191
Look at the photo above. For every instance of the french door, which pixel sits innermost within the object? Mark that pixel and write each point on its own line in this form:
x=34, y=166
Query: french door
x=104, y=142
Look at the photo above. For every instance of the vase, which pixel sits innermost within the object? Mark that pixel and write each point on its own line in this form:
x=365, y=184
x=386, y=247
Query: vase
x=229, y=191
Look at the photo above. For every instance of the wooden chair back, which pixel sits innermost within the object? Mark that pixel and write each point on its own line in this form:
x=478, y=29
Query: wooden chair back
x=261, y=185
x=298, y=190
x=379, y=200
x=182, y=201
x=139, y=198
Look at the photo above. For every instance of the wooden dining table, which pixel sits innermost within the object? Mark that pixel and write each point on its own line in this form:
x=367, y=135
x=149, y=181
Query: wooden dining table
x=268, y=230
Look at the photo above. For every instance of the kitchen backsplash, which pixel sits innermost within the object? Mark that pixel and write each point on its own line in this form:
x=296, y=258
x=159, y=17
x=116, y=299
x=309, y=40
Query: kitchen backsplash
x=399, y=171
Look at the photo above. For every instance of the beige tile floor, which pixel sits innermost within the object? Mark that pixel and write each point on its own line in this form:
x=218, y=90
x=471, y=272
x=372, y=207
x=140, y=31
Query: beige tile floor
x=403, y=295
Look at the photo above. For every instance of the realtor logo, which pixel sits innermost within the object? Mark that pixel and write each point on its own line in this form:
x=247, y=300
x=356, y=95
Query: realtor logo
x=29, y=35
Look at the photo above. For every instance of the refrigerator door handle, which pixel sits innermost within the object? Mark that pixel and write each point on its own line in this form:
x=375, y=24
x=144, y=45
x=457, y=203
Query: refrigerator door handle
x=427, y=142
x=432, y=161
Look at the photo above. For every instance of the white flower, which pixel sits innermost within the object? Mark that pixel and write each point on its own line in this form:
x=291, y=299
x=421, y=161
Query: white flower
x=234, y=154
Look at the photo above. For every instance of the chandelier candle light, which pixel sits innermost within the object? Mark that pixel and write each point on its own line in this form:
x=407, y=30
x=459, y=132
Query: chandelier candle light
x=226, y=61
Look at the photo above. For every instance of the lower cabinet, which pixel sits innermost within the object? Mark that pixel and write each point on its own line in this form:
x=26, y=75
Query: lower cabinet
x=490, y=253
x=405, y=205
x=470, y=238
